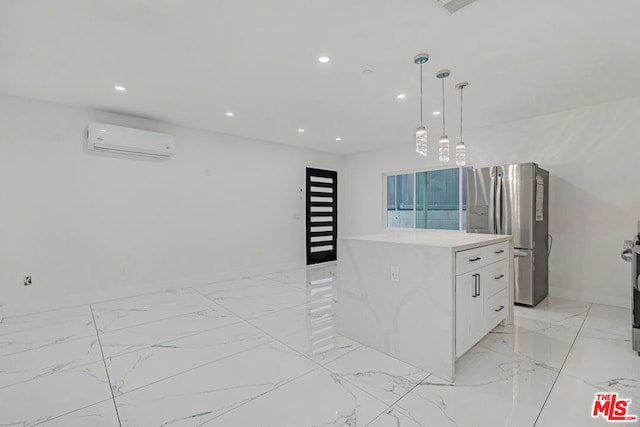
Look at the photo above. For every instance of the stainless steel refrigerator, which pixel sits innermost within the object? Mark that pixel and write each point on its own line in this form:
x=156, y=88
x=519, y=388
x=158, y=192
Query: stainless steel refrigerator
x=514, y=199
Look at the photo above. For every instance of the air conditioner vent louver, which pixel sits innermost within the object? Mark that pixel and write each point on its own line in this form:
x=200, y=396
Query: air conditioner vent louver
x=453, y=6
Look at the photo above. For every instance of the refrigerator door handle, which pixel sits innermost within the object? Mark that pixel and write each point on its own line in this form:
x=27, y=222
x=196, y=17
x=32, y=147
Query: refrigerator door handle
x=492, y=202
x=498, y=207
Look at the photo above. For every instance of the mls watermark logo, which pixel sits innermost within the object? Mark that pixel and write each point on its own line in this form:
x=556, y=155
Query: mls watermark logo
x=612, y=409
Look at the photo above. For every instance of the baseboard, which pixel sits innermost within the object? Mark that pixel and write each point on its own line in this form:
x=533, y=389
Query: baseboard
x=45, y=304
x=590, y=297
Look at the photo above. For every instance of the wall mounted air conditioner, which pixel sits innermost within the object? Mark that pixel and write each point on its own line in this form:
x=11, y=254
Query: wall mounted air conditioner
x=122, y=140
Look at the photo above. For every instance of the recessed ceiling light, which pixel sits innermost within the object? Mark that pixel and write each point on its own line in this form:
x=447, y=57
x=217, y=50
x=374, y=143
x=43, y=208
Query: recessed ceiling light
x=401, y=96
x=367, y=71
x=436, y=113
x=120, y=88
x=300, y=130
x=338, y=139
x=323, y=59
x=230, y=114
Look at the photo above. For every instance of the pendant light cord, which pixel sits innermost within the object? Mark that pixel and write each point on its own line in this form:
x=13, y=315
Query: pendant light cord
x=461, y=90
x=421, y=94
x=443, y=129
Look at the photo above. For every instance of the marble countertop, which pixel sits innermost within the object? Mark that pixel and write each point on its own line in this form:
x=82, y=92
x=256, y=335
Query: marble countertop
x=456, y=240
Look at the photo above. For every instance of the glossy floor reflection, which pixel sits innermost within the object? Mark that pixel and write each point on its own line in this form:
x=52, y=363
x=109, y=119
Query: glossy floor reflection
x=264, y=351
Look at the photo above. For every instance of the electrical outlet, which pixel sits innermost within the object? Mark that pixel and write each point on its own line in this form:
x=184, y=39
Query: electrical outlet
x=27, y=280
x=395, y=274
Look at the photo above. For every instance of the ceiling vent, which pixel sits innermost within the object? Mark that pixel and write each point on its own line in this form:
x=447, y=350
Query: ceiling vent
x=452, y=6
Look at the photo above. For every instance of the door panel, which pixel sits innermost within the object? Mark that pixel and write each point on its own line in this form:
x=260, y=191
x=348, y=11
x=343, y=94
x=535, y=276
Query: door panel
x=517, y=204
x=322, y=215
x=469, y=311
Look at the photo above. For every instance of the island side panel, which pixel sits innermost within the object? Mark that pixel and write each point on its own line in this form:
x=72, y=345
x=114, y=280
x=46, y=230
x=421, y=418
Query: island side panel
x=411, y=319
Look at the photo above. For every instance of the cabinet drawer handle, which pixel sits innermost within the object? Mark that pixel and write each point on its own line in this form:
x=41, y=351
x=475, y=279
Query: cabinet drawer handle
x=499, y=276
x=498, y=252
x=500, y=307
x=475, y=259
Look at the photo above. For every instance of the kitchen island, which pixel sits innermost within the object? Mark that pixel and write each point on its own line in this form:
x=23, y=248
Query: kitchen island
x=424, y=296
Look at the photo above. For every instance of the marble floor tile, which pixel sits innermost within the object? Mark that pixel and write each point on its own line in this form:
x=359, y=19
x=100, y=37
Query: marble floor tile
x=285, y=322
x=250, y=307
x=237, y=289
x=571, y=404
x=606, y=320
x=607, y=364
x=36, y=401
x=321, y=348
x=101, y=414
x=204, y=393
x=538, y=341
x=254, y=298
x=382, y=376
x=128, y=312
x=69, y=316
x=394, y=418
x=45, y=361
x=491, y=389
x=143, y=367
x=318, y=312
x=556, y=310
x=138, y=337
x=296, y=277
x=37, y=330
x=319, y=398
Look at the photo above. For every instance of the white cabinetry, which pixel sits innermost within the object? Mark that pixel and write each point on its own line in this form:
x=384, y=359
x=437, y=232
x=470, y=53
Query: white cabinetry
x=481, y=293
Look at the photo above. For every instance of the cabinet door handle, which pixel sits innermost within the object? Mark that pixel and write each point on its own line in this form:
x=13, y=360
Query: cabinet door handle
x=499, y=276
x=478, y=285
x=475, y=285
x=475, y=259
x=498, y=252
x=500, y=307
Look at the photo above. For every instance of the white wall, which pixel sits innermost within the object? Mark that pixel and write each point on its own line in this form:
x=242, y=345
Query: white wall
x=593, y=156
x=89, y=226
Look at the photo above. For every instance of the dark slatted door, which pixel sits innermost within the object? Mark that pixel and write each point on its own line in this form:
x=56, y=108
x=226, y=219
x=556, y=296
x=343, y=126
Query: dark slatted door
x=322, y=215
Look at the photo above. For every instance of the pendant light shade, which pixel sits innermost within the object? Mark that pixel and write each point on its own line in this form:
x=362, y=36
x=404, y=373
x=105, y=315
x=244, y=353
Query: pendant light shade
x=421, y=140
x=443, y=143
x=443, y=148
x=421, y=132
x=461, y=150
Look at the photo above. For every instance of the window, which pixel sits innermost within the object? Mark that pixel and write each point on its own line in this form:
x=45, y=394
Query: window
x=435, y=199
x=400, y=209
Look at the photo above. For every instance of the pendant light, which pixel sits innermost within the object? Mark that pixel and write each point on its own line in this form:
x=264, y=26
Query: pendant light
x=461, y=150
x=443, y=143
x=421, y=132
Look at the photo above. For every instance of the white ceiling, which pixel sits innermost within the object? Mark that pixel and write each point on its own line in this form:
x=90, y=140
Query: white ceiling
x=190, y=61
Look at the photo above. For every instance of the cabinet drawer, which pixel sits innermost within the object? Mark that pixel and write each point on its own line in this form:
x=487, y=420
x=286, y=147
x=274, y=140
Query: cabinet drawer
x=496, y=277
x=496, y=308
x=497, y=251
x=470, y=259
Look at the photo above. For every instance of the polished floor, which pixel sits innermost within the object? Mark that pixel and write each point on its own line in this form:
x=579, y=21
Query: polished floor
x=263, y=351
